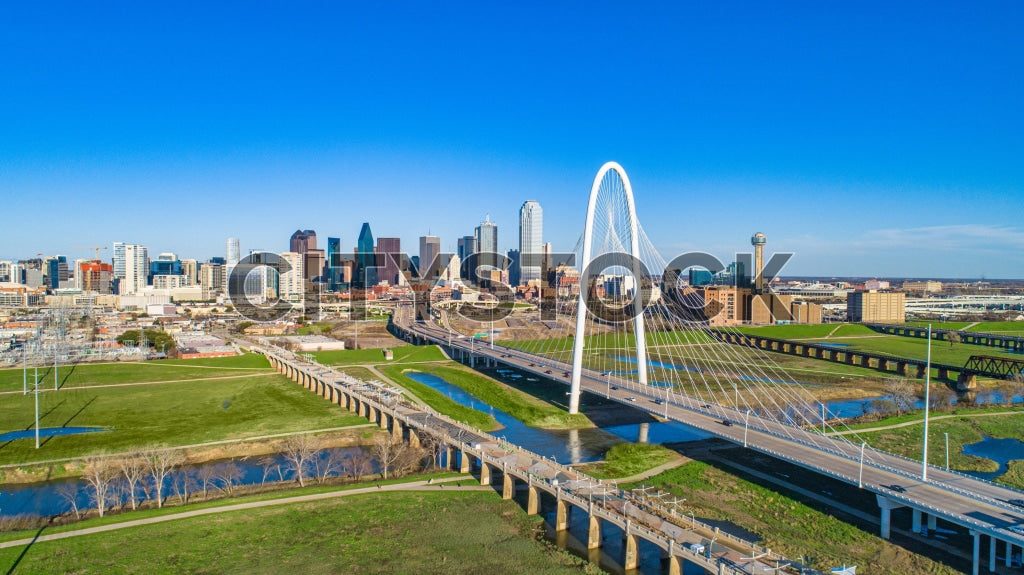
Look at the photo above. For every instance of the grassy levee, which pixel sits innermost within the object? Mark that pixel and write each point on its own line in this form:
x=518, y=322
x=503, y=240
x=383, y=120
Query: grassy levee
x=402, y=354
x=439, y=401
x=917, y=348
x=786, y=523
x=799, y=331
x=447, y=531
x=998, y=422
x=999, y=327
x=629, y=459
x=83, y=375
x=530, y=410
x=957, y=325
x=173, y=413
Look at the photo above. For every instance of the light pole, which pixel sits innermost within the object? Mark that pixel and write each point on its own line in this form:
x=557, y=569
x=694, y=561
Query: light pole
x=860, y=472
x=927, y=385
x=746, y=425
x=37, y=408
x=823, y=419
x=947, y=450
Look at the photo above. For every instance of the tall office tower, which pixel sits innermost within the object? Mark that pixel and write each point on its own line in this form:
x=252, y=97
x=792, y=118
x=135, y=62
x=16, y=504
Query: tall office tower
x=190, y=269
x=56, y=271
x=7, y=271
x=366, y=274
x=234, y=252
x=430, y=250
x=467, y=246
x=291, y=276
x=758, y=240
x=531, y=229
x=212, y=279
x=118, y=260
x=313, y=264
x=96, y=276
x=487, y=243
x=332, y=267
x=136, y=269
x=165, y=264
x=391, y=250
x=302, y=241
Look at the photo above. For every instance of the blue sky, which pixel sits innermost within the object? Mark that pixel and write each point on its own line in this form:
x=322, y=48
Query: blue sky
x=871, y=139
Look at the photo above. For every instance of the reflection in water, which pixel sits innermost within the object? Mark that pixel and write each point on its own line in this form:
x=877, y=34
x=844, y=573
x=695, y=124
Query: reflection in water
x=1002, y=451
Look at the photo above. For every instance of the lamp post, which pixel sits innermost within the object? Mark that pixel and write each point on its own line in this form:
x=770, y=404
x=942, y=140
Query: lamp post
x=37, y=408
x=860, y=472
x=927, y=385
x=947, y=450
x=746, y=425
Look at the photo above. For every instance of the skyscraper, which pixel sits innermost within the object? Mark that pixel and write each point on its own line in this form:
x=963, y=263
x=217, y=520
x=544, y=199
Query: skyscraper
x=118, y=260
x=234, y=252
x=391, y=250
x=136, y=269
x=487, y=244
x=302, y=241
x=333, y=264
x=531, y=229
x=366, y=275
x=430, y=250
x=467, y=246
x=57, y=271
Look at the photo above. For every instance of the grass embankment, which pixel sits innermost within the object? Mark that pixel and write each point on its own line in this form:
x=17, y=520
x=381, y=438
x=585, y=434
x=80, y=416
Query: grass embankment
x=183, y=411
x=530, y=410
x=629, y=459
x=999, y=327
x=423, y=532
x=787, y=525
x=967, y=426
x=402, y=354
x=439, y=401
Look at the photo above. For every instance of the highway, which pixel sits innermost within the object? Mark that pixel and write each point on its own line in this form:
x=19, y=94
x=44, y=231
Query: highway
x=979, y=505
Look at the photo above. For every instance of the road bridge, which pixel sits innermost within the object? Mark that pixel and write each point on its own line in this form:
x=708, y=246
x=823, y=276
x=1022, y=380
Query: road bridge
x=982, y=508
x=467, y=449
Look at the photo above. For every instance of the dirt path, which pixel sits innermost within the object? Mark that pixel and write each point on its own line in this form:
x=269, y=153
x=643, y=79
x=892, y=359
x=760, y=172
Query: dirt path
x=652, y=471
x=831, y=333
x=919, y=421
x=413, y=486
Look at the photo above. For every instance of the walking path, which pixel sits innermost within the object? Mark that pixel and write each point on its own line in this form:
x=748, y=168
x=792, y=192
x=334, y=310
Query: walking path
x=919, y=422
x=652, y=471
x=412, y=486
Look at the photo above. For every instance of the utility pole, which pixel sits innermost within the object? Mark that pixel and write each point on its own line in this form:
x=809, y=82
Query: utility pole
x=927, y=382
x=37, y=408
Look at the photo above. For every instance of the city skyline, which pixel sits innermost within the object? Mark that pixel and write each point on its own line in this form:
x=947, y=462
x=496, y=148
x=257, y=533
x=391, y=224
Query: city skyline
x=870, y=140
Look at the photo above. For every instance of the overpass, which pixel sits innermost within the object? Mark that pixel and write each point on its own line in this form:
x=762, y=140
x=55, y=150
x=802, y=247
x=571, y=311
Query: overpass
x=982, y=507
x=1011, y=343
x=467, y=448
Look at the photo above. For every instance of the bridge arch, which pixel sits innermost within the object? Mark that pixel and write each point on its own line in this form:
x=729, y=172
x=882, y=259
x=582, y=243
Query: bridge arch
x=581, y=309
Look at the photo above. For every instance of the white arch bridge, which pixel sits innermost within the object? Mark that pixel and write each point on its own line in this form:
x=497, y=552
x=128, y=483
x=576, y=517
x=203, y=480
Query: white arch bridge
x=769, y=415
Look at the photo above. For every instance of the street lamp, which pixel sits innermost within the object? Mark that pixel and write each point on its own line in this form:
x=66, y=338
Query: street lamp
x=947, y=450
x=746, y=425
x=860, y=472
x=927, y=385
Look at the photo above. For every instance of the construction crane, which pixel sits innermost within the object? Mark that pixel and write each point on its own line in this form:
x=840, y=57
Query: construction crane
x=97, y=248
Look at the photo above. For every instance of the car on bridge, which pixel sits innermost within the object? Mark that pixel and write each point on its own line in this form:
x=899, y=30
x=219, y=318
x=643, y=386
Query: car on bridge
x=631, y=398
x=896, y=488
x=1017, y=502
x=726, y=423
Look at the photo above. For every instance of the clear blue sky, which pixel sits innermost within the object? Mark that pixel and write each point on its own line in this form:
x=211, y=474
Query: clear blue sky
x=872, y=139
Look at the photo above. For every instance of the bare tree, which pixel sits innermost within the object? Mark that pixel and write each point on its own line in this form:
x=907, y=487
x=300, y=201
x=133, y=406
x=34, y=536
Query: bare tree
x=902, y=392
x=409, y=460
x=228, y=473
x=69, y=492
x=160, y=462
x=326, y=462
x=299, y=451
x=184, y=484
x=133, y=468
x=882, y=407
x=269, y=464
x=100, y=472
x=387, y=450
x=204, y=477
x=953, y=337
x=357, y=465
x=942, y=397
x=434, y=446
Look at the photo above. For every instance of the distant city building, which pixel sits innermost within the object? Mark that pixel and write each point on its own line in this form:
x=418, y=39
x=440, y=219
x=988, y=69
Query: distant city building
x=190, y=268
x=136, y=269
x=118, y=260
x=430, y=252
x=333, y=265
x=302, y=241
x=96, y=277
x=486, y=245
x=212, y=279
x=699, y=277
x=391, y=250
x=313, y=264
x=515, y=267
x=922, y=287
x=166, y=264
x=233, y=253
x=876, y=306
x=170, y=281
x=292, y=277
x=7, y=272
x=56, y=272
x=531, y=230
x=876, y=285
x=467, y=247
x=365, y=272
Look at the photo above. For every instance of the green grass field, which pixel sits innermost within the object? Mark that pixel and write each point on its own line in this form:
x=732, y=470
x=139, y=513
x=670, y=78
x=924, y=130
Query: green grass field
x=628, y=459
x=402, y=354
x=172, y=412
x=787, y=524
x=457, y=533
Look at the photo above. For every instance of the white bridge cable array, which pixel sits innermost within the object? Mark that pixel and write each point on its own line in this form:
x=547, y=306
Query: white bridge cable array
x=686, y=364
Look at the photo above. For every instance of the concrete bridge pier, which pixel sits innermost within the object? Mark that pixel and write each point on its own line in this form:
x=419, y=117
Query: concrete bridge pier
x=532, y=500
x=594, y=531
x=675, y=565
x=384, y=419
x=464, y=461
x=485, y=473
x=562, y=510
x=396, y=429
x=508, y=487
x=887, y=505
x=976, y=556
x=631, y=555
x=642, y=433
x=414, y=439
